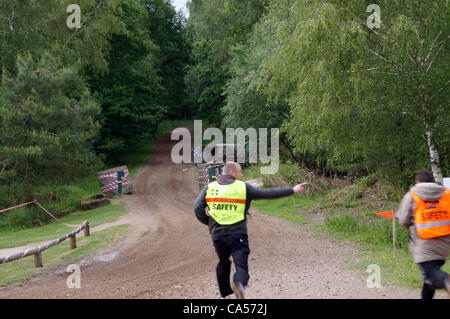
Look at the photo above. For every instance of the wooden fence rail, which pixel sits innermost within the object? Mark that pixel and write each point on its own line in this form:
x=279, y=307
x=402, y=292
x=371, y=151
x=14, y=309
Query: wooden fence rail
x=37, y=251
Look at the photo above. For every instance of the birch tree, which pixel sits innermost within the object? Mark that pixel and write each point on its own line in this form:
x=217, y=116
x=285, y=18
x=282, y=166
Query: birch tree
x=364, y=99
x=411, y=64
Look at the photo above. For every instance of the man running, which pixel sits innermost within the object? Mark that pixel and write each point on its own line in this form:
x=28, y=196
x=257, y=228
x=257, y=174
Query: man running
x=228, y=200
x=425, y=210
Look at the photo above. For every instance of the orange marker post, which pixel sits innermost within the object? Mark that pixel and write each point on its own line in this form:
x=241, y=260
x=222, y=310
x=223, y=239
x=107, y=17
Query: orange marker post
x=391, y=215
x=394, y=234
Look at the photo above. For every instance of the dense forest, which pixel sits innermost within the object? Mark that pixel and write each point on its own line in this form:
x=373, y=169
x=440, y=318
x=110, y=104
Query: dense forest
x=70, y=98
x=349, y=98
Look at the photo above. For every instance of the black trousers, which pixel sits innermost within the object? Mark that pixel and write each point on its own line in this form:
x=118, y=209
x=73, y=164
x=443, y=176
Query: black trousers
x=434, y=277
x=236, y=246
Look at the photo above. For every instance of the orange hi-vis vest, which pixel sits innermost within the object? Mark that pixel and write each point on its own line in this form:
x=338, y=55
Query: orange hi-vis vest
x=432, y=219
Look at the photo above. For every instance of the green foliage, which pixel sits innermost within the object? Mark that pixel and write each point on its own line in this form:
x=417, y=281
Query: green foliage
x=248, y=105
x=350, y=99
x=215, y=27
x=129, y=55
x=47, y=126
x=38, y=26
x=48, y=120
x=145, y=79
x=167, y=29
x=371, y=229
x=130, y=93
x=140, y=149
x=22, y=218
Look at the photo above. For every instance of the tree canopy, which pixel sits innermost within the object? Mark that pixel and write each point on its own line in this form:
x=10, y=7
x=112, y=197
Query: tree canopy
x=353, y=93
x=71, y=97
x=350, y=98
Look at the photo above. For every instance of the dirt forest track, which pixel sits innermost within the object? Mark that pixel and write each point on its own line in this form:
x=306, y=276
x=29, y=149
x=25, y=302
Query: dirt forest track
x=167, y=253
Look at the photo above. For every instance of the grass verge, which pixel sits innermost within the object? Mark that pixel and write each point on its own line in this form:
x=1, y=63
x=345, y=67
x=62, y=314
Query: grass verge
x=61, y=254
x=374, y=238
x=289, y=208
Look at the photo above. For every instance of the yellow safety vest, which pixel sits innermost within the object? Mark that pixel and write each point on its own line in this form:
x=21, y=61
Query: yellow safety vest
x=226, y=203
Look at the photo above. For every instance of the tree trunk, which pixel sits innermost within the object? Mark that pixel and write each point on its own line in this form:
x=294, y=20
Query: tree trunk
x=434, y=158
x=285, y=143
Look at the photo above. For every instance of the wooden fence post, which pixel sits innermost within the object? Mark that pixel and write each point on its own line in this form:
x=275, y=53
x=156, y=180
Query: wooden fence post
x=73, y=241
x=37, y=251
x=38, y=260
x=87, y=230
x=394, y=233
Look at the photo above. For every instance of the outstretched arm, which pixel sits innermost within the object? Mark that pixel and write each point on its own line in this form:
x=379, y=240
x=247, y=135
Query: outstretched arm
x=272, y=193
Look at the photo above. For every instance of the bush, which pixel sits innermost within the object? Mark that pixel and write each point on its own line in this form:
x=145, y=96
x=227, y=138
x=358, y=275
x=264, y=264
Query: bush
x=290, y=174
x=57, y=199
x=48, y=124
x=22, y=218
